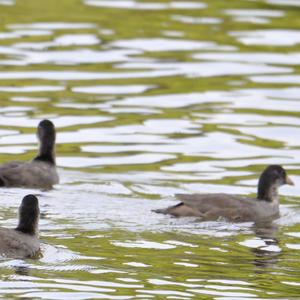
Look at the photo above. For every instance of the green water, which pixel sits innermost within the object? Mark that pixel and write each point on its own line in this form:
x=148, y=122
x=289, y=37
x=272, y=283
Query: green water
x=151, y=99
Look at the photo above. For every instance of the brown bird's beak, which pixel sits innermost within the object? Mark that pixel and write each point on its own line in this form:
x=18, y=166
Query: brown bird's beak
x=289, y=181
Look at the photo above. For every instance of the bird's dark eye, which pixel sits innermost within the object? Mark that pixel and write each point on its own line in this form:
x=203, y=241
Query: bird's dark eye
x=281, y=173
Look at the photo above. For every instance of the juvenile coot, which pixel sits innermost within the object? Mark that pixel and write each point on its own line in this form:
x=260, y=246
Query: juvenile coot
x=234, y=208
x=41, y=171
x=22, y=241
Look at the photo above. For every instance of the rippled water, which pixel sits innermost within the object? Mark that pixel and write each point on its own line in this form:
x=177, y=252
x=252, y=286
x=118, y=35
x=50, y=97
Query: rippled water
x=152, y=98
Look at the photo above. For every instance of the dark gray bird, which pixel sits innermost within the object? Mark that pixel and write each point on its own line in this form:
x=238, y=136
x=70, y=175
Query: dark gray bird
x=41, y=171
x=234, y=208
x=22, y=241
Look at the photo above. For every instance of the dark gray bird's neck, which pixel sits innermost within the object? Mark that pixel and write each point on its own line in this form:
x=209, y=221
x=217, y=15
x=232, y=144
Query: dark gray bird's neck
x=46, y=152
x=267, y=192
x=28, y=225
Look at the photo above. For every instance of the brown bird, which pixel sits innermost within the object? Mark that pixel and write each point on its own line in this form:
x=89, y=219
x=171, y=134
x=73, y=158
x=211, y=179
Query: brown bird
x=22, y=241
x=41, y=171
x=234, y=208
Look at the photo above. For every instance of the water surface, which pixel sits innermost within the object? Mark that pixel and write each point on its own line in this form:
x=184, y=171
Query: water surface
x=150, y=99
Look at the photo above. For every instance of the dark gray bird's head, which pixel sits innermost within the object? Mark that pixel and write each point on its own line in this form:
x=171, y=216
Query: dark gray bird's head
x=29, y=214
x=46, y=131
x=272, y=178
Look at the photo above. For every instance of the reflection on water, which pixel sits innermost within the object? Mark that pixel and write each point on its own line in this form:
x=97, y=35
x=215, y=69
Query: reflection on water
x=132, y=4
x=268, y=37
x=150, y=99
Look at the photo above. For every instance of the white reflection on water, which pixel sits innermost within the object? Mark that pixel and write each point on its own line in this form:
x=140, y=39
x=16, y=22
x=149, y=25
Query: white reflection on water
x=60, y=121
x=112, y=89
x=172, y=33
x=254, y=13
x=286, y=135
x=222, y=294
x=207, y=69
x=268, y=37
x=31, y=88
x=258, y=16
x=258, y=99
x=160, y=70
x=284, y=2
x=81, y=162
x=109, y=108
x=81, y=75
x=164, y=44
x=167, y=293
x=15, y=110
x=240, y=119
x=255, y=57
x=22, y=33
x=29, y=99
x=76, y=56
x=16, y=150
x=228, y=145
x=132, y=4
x=286, y=79
x=63, y=41
x=7, y=2
x=293, y=246
x=143, y=244
x=196, y=20
x=74, y=295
